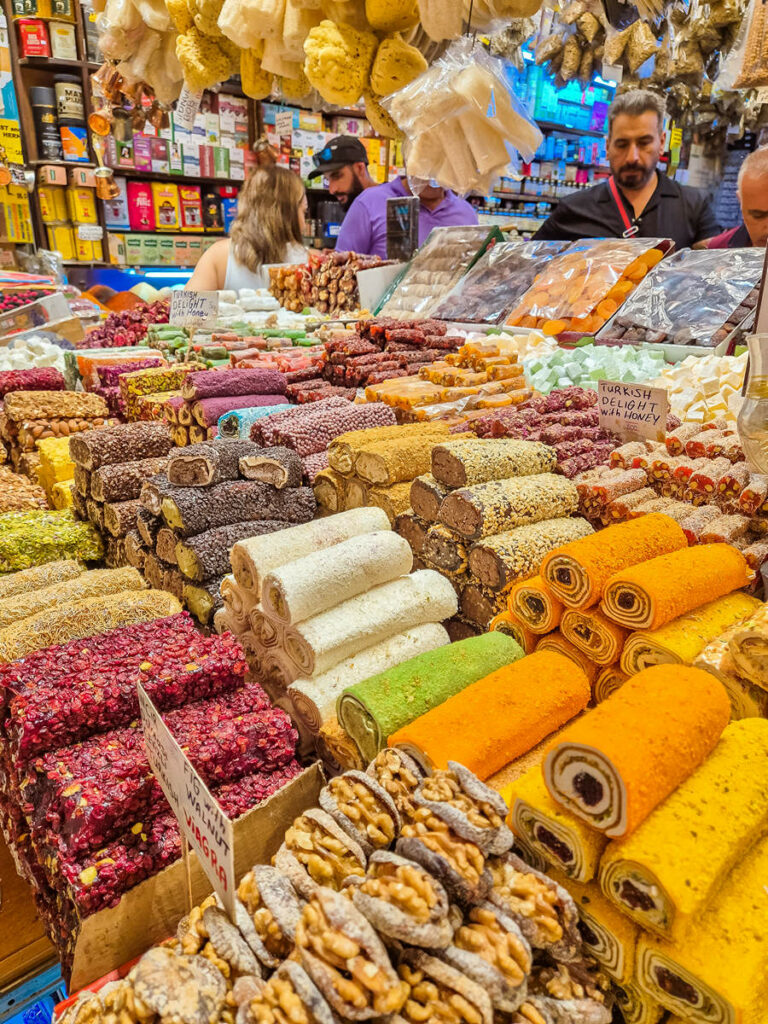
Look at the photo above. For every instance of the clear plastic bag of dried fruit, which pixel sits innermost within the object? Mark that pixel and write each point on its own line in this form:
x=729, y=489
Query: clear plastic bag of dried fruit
x=463, y=126
x=582, y=288
x=696, y=297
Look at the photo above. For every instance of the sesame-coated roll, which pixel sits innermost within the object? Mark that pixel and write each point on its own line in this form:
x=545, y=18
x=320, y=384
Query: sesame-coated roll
x=717, y=973
x=666, y=873
x=578, y=572
x=534, y=604
x=501, y=505
x=501, y=560
x=478, y=460
x=562, y=839
x=649, y=595
x=675, y=716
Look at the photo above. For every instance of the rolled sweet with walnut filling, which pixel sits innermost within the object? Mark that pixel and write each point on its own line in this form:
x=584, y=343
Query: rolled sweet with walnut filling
x=272, y=913
x=473, y=810
x=403, y=901
x=363, y=809
x=207, y=931
x=346, y=959
x=317, y=852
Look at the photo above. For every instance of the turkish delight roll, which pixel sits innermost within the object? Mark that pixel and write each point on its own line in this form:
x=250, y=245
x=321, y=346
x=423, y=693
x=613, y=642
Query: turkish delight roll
x=501, y=716
x=224, y=383
x=558, y=836
x=506, y=623
x=675, y=715
x=123, y=481
x=206, y=555
x=594, y=634
x=372, y=710
x=665, y=873
x=717, y=972
x=310, y=585
x=201, y=465
x=238, y=422
x=194, y=510
x=280, y=467
x=637, y=1007
x=96, y=583
x=578, y=572
x=608, y=681
x=535, y=605
x=426, y=497
x=749, y=647
x=315, y=699
x=653, y=593
x=317, y=643
x=500, y=505
x=557, y=642
x=478, y=460
x=95, y=448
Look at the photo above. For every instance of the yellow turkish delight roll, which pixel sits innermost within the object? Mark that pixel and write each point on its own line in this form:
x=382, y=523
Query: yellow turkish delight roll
x=666, y=872
x=717, y=972
x=636, y=1007
x=608, y=936
x=682, y=640
x=559, y=837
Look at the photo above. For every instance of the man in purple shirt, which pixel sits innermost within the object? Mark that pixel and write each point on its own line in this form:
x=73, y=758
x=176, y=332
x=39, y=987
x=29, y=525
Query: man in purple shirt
x=364, y=229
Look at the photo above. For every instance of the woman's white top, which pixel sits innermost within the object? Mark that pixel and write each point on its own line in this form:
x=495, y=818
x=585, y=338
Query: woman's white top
x=238, y=276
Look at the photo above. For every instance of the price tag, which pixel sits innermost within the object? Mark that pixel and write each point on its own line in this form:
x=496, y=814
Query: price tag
x=761, y=317
x=208, y=830
x=612, y=72
x=186, y=110
x=284, y=123
x=194, y=309
x=633, y=411
x=90, y=232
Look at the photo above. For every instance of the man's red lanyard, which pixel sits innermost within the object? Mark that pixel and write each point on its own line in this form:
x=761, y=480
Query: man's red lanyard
x=630, y=227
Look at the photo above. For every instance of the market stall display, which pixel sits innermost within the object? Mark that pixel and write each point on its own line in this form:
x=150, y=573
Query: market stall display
x=327, y=283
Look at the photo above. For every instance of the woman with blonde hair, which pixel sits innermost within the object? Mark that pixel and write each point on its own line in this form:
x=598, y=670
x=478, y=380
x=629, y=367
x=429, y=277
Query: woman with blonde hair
x=269, y=226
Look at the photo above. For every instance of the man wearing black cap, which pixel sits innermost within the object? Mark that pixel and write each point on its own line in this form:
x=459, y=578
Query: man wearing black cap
x=344, y=162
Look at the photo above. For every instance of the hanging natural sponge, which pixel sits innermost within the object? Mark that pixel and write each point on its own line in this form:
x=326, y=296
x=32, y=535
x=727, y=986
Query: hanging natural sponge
x=392, y=15
x=295, y=88
x=338, y=61
x=380, y=119
x=256, y=82
x=396, y=65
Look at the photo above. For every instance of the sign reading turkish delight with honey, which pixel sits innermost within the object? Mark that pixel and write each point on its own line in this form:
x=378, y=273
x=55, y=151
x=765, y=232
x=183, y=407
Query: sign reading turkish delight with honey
x=208, y=830
x=193, y=309
x=633, y=411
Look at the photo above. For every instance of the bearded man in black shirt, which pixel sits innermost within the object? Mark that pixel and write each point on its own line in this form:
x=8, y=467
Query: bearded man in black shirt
x=637, y=199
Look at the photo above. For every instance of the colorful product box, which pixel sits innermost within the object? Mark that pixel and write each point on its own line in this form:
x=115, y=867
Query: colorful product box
x=191, y=205
x=133, y=250
x=141, y=214
x=165, y=201
x=150, y=250
x=220, y=162
x=142, y=153
x=159, y=151
x=180, y=251
x=116, y=210
x=165, y=252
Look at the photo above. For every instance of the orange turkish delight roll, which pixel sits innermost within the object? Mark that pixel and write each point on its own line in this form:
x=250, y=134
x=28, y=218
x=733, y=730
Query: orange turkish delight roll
x=655, y=592
x=535, y=605
x=594, y=634
x=620, y=760
x=507, y=623
x=556, y=643
x=498, y=718
x=578, y=572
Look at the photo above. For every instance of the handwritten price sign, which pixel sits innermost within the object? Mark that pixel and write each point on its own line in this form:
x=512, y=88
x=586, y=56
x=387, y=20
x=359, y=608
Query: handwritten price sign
x=193, y=309
x=633, y=411
x=208, y=830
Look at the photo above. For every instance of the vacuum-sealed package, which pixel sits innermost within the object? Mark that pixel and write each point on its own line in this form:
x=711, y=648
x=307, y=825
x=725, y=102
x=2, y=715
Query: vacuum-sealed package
x=580, y=290
x=696, y=297
x=497, y=282
x=445, y=256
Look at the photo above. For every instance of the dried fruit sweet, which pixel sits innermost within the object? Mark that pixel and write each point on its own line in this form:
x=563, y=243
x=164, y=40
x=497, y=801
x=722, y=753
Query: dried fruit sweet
x=403, y=901
x=290, y=997
x=363, y=809
x=182, y=989
x=458, y=863
x=272, y=908
x=346, y=959
x=438, y=989
x=490, y=949
x=316, y=852
x=473, y=810
x=399, y=776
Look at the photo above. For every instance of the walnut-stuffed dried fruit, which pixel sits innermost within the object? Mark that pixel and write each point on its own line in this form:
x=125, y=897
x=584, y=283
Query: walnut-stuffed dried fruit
x=290, y=997
x=363, y=809
x=273, y=909
x=317, y=852
x=346, y=959
x=491, y=950
x=473, y=810
x=399, y=776
x=458, y=863
x=180, y=989
x=544, y=911
x=440, y=994
x=403, y=901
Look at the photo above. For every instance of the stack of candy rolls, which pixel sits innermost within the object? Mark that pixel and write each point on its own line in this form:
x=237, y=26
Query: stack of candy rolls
x=749, y=648
x=608, y=681
x=557, y=642
x=557, y=836
x=578, y=572
x=500, y=717
x=747, y=699
x=507, y=623
x=682, y=640
x=655, y=592
x=637, y=1007
x=666, y=873
x=535, y=605
x=674, y=716
x=375, y=709
x=717, y=973
x=594, y=634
